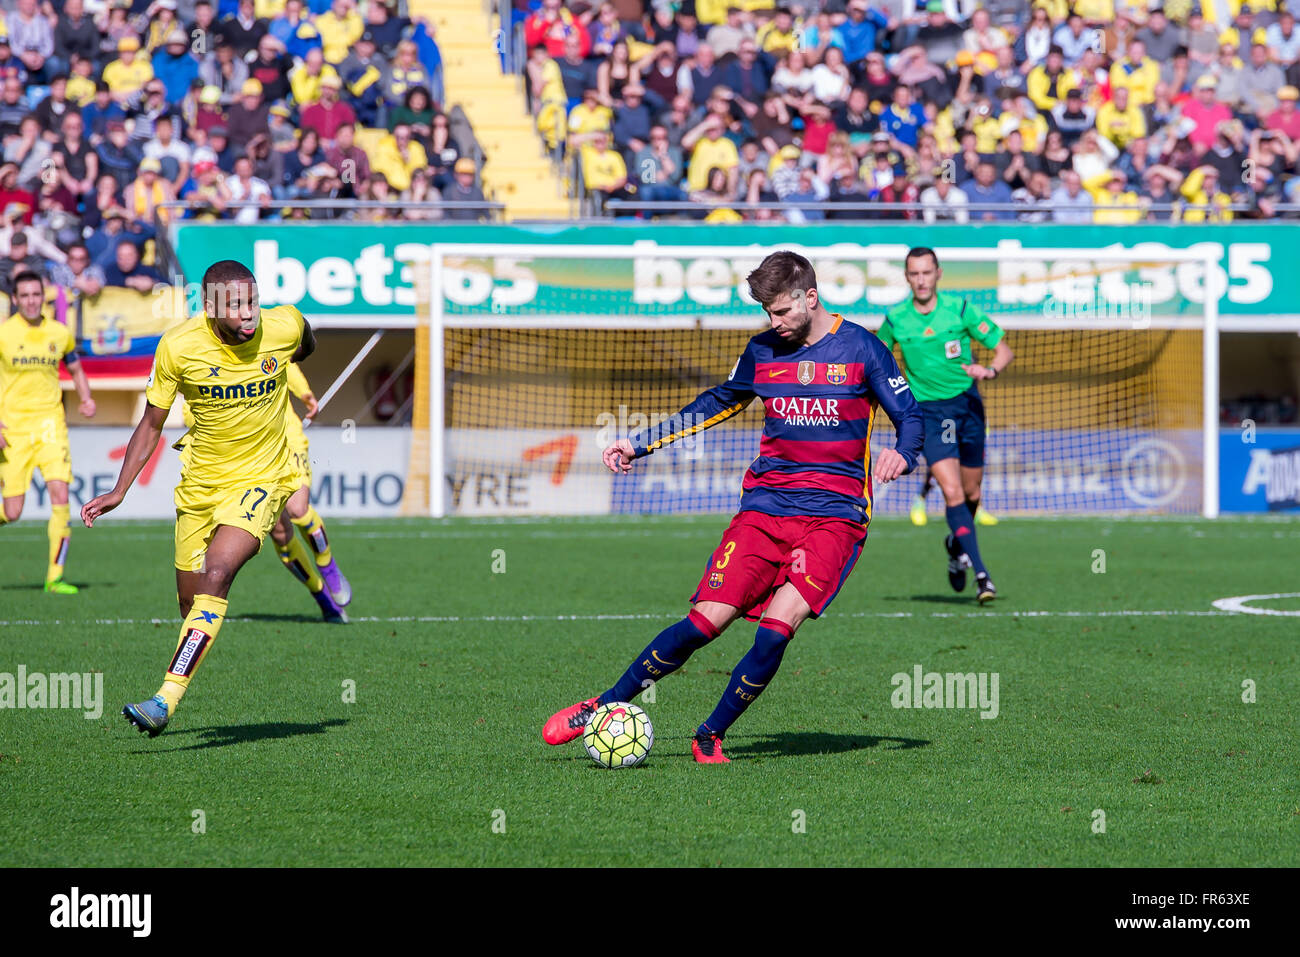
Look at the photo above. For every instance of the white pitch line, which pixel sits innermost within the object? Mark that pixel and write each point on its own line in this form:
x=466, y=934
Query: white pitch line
x=1239, y=605
x=470, y=619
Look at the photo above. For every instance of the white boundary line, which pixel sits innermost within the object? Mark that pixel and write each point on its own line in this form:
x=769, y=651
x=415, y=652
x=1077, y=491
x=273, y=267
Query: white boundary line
x=1239, y=605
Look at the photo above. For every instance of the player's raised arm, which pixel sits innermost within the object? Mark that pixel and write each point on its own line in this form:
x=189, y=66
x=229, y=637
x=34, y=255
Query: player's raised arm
x=704, y=412
x=143, y=442
x=895, y=396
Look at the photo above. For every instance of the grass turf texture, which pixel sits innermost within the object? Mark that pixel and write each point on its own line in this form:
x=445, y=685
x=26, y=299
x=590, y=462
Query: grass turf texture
x=1139, y=716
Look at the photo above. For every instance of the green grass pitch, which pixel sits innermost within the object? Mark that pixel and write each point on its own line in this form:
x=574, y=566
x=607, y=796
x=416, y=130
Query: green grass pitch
x=1119, y=692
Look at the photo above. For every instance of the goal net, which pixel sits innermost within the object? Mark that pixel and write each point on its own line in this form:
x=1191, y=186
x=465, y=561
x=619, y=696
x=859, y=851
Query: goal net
x=536, y=359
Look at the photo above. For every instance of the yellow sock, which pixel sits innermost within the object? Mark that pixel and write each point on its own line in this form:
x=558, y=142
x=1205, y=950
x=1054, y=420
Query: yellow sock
x=197, y=635
x=295, y=558
x=313, y=530
x=59, y=537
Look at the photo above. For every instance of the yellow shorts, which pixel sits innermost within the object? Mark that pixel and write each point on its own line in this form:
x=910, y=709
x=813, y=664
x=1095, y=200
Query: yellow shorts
x=301, y=464
x=199, y=511
x=40, y=444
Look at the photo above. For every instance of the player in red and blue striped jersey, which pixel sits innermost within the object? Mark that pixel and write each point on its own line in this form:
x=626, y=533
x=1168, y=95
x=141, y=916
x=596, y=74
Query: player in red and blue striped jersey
x=806, y=499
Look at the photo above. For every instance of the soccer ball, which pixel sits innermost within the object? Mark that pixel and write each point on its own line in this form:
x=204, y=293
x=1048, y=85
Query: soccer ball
x=618, y=735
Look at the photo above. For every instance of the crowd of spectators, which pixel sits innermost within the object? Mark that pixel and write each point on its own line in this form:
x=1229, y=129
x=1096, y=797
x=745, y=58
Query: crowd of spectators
x=110, y=111
x=1096, y=111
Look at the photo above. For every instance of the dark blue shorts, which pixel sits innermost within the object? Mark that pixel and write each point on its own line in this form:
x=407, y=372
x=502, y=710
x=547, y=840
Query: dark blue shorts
x=954, y=428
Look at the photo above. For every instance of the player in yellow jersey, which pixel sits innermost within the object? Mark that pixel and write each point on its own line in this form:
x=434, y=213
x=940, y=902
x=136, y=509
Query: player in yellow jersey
x=317, y=570
x=33, y=428
x=231, y=364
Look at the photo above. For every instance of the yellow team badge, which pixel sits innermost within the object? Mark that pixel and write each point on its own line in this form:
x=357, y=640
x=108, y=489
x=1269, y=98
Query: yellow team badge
x=807, y=371
x=715, y=580
x=837, y=373
x=269, y=365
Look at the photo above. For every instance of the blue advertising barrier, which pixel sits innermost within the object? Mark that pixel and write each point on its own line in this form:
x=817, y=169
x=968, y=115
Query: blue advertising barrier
x=1259, y=469
x=1043, y=471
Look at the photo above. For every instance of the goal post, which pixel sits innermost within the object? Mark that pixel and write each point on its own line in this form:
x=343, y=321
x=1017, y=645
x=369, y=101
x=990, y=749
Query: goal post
x=538, y=354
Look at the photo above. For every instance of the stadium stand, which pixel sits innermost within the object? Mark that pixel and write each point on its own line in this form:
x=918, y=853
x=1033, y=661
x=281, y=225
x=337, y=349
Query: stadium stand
x=117, y=118
x=519, y=173
x=1108, y=111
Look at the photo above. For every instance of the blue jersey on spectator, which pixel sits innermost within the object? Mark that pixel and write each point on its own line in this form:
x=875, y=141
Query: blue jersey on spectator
x=904, y=128
x=860, y=38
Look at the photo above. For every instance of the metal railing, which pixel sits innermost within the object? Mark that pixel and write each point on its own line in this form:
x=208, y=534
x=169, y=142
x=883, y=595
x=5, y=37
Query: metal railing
x=1017, y=211
x=510, y=39
x=487, y=207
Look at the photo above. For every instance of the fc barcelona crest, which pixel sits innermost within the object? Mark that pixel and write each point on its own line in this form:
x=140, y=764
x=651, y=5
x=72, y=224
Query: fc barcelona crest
x=269, y=365
x=807, y=371
x=715, y=580
x=837, y=373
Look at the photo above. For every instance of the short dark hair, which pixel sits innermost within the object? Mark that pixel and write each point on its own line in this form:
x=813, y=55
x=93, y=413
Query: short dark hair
x=222, y=273
x=781, y=272
x=916, y=252
x=28, y=275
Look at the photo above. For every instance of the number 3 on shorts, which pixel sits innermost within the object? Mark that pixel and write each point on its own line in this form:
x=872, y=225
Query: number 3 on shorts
x=261, y=496
x=726, y=556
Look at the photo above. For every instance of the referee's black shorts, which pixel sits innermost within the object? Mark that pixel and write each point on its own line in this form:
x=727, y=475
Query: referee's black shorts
x=954, y=428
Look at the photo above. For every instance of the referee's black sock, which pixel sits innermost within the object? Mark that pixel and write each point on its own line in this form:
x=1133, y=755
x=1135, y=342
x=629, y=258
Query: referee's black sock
x=962, y=524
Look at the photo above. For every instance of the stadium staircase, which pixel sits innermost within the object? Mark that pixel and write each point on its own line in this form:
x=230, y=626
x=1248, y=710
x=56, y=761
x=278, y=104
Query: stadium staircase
x=516, y=170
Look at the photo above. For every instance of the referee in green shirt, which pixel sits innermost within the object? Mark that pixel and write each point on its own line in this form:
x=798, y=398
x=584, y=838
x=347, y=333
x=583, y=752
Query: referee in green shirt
x=934, y=333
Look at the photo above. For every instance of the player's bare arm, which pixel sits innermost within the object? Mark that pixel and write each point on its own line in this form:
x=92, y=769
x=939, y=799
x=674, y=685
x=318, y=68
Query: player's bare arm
x=1002, y=357
x=308, y=344
x=82, y=385
x=143, y=442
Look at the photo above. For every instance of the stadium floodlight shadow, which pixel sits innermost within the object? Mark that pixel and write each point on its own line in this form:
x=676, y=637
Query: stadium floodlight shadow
x=792, y=743
x=222, y=736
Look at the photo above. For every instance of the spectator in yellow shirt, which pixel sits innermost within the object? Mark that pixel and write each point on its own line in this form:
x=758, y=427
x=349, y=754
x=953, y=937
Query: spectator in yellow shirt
x=81, y=86
x=588, y=118
x=305, y=79
x=778, y=36
x=1121, y=121
x=1095, y=13
x=397, y=156
x=339, y=28
x=1138, y=72
x=1109, y=188
x=603, y=169
x=1201, y=188
x=709, y=148
x=712, y=12
x=129, y=72
x=1050, y=81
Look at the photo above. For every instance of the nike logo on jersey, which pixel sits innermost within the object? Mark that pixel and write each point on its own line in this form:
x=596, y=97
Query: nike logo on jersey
x=773, y=373
x=813, y=583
